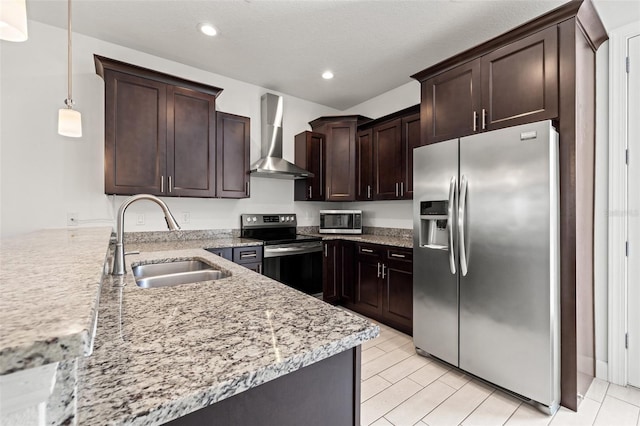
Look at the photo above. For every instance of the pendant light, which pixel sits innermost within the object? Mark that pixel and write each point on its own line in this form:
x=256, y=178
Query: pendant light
x=13, y=20
x=69, y=120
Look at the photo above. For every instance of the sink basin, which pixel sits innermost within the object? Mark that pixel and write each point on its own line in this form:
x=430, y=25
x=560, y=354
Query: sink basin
x=175, y=273
x=180, y=278
x=165, y=268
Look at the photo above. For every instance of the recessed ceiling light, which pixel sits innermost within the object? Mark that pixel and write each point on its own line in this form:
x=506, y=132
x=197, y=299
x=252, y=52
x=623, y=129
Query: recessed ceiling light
x=327, y=75
x=207, y=29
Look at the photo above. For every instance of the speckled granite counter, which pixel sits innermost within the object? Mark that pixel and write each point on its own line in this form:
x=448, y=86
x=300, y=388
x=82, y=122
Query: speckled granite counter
x=50, y=288
x=387, y=240
x=162, y=353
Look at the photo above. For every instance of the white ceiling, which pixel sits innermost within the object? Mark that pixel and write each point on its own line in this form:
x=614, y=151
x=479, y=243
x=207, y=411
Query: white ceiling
x=371, y=46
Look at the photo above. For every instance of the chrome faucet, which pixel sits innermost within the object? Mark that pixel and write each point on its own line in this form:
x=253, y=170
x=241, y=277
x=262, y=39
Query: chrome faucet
x=118, y=258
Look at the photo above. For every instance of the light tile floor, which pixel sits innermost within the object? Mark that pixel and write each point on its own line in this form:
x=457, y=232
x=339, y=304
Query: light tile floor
x=402, y=388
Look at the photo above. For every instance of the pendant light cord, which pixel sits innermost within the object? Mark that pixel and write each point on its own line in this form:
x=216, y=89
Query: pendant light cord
x=69, y=102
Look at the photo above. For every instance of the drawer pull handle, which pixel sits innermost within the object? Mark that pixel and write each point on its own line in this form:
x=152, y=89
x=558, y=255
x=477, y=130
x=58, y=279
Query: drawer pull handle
x=246, y=255
x=365, y=250
x=401, y=256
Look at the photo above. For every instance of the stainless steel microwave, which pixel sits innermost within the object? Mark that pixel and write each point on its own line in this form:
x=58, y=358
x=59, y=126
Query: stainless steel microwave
x=341, y=221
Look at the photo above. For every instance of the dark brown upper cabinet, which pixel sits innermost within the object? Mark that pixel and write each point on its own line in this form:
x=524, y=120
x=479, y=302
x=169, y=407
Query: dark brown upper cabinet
x=364, y=165
x=410, y=139
x=309, y=154
x=232, y=153
x=451, y=102
x=161, y=136
x=191, y=143
x=387, y=161
x=385, y=156
x=340, y=155
x=511, y=85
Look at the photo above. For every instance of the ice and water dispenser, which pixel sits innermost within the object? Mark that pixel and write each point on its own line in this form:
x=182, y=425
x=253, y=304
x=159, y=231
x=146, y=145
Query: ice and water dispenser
x=433, y=224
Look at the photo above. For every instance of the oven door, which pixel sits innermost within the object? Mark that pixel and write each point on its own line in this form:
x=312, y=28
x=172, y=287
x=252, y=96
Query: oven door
x=295, y=267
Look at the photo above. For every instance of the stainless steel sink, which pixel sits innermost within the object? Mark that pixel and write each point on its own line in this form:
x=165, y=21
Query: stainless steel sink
x=153, y=269
x=175, y=273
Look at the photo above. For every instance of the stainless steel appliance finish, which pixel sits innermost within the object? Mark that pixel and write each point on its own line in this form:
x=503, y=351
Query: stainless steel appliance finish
x=340, y=222
x=119, y=267
x=486, y=273
x=271, y=164
x=292, y=259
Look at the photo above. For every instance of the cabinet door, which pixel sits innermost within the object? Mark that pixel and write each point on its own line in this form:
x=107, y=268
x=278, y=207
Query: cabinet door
x=397, y=275
x=410, y=140
x=331, y=268
x=232, y=156
x=309, y=154
x=191, y=143
x=347, y=287
x=368, y=285
x=364, y=165
x=341, y=161
x=135, y=135
x=520, y=81
x=387, y=160
x=451, y=103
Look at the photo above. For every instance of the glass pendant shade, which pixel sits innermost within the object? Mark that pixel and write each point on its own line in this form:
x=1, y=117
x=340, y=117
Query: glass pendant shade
x=13, y=20
x=69, y=123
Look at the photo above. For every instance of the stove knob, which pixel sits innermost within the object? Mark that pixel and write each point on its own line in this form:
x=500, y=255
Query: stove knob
x=290, y=218
x=282, y=219
x=255, y=219
x=248, y=219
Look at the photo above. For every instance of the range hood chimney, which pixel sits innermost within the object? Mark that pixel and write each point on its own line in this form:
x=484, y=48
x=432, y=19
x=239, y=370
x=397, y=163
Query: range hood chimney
x=271, y=164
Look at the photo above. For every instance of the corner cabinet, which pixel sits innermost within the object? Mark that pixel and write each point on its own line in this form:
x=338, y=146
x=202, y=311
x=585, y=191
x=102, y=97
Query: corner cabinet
x=161, y=136
x=339, y=154
x=511, y=85
x=543, y=69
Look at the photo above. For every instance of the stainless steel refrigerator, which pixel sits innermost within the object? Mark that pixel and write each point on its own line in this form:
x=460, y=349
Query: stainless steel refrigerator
x=486, y=258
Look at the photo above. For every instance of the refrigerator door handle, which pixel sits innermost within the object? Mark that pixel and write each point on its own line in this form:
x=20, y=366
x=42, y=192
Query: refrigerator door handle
x=462, y=212
x=450, y=210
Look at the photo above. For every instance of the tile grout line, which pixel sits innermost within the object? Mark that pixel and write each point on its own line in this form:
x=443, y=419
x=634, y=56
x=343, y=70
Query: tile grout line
x=514, y=412
x=481, y=402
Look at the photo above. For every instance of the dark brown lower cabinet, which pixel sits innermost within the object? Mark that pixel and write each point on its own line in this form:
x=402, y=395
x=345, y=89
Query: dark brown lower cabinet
x=381, y=284
x=324, y=393
x=336, y=271
x=397, y=276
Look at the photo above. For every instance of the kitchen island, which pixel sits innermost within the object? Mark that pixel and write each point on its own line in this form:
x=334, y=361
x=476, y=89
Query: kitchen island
x=163, y=353
x=237, y=345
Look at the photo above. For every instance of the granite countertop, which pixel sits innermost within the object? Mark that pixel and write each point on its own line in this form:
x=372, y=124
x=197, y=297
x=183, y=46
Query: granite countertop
x=387, y=240
x=162, y=353
x=50, y=289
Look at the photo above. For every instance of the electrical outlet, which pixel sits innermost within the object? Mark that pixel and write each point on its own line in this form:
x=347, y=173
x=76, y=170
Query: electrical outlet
x=72, y=219
x=186, y=217
x=140, y=220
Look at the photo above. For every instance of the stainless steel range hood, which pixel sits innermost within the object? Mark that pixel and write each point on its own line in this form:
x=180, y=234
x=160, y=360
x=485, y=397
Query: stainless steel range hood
x=272, y=164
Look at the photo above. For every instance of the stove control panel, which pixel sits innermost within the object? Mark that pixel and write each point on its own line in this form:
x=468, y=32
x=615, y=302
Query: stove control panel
x=268, y=220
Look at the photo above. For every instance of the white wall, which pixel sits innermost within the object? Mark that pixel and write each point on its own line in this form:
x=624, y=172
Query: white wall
x=44, y=175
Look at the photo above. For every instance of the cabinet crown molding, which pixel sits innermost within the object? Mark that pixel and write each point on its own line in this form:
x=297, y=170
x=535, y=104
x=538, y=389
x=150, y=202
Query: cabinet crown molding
x=102, y=63
x=582, y=11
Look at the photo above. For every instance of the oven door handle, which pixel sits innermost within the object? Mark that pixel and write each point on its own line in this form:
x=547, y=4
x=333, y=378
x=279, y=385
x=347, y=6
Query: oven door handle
x=290, y=251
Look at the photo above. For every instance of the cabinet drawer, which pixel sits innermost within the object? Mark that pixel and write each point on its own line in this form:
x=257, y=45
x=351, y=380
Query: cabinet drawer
x=225, y=252
x=250, y=254
x=368, y=250
x=399, y=255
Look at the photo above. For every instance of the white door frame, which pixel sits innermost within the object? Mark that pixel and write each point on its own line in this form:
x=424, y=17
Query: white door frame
x=617, y=275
